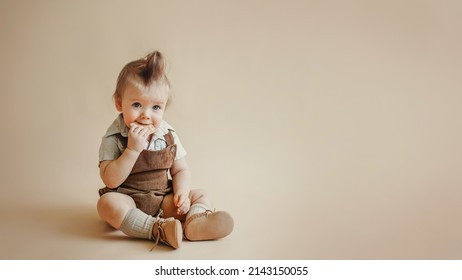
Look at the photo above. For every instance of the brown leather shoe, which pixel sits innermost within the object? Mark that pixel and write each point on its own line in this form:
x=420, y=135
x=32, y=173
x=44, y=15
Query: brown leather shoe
x=208, y=225
x=168, y=231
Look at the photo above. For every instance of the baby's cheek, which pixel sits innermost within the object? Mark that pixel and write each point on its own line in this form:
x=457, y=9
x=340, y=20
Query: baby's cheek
x=157, y=123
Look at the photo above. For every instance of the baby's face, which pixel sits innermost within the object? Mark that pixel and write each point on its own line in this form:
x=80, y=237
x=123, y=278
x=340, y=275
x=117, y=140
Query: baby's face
x=143, y=105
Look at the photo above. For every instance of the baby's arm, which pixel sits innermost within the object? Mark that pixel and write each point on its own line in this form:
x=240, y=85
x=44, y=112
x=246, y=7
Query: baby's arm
x=181, y=177
x=114, y=172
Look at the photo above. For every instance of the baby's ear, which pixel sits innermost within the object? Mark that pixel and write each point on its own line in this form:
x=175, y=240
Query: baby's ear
x=118, y=103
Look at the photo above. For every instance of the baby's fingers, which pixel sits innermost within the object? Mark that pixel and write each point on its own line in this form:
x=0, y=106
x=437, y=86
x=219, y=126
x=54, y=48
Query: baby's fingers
x=179, y=200
x=183, y=209
x=183, y=205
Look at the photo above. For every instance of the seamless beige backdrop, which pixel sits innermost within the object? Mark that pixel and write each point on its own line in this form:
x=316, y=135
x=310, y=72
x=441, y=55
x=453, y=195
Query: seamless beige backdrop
x=330, y=129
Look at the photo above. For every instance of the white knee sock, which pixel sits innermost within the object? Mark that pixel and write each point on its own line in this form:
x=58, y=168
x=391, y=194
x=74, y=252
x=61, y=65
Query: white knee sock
x=138, y=224
x=197, y=208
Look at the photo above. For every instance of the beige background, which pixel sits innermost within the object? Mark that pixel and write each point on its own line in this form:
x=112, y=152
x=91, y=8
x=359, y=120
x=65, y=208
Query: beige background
x=329, y=129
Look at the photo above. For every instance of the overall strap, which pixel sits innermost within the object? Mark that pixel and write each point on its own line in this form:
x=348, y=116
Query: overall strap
x=169, y=138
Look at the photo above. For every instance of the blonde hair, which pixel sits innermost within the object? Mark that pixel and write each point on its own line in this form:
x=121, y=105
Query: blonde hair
x=143, y=72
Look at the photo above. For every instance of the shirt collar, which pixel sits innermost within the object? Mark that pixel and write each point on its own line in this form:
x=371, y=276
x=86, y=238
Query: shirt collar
x=118, y=126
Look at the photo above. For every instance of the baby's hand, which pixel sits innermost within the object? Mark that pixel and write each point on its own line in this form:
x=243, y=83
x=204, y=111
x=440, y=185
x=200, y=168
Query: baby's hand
x=182, y=202
x=137, y=137
x=150, y=127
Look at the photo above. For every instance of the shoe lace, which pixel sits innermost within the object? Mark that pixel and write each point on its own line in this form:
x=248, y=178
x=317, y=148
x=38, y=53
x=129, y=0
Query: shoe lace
x=158, y=231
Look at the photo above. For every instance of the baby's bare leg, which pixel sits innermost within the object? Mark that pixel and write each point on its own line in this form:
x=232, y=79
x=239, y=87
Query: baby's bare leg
x=112, y=207
x=200, y=196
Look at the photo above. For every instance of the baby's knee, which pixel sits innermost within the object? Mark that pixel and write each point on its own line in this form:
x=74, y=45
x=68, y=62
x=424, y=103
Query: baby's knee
x=112, y=207
x=112, y=202
x=105, y=205
x=200, y=196
x=102, y=203
x=198, y=193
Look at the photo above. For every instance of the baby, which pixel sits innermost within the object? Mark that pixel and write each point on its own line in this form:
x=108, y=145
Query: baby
x=137, y=154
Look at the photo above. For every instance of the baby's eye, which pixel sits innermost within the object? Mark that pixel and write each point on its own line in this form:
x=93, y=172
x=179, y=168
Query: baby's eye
x=156, y=107
x=136, y=105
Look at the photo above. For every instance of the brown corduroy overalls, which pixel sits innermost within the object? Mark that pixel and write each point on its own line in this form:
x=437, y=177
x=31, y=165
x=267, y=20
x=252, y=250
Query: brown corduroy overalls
x=148, y=181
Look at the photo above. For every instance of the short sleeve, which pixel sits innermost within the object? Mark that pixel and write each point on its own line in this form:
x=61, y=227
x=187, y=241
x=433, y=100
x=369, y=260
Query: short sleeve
x=109, y=148
x=180, y=150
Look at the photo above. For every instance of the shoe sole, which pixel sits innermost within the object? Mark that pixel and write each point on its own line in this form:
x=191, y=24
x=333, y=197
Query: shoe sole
x=215, y=225
x=178, y=232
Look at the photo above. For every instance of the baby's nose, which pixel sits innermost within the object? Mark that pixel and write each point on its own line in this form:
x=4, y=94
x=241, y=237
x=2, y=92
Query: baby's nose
x=145, y=115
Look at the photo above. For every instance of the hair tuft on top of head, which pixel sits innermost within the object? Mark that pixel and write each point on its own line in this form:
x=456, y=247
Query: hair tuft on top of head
x=154, y=69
